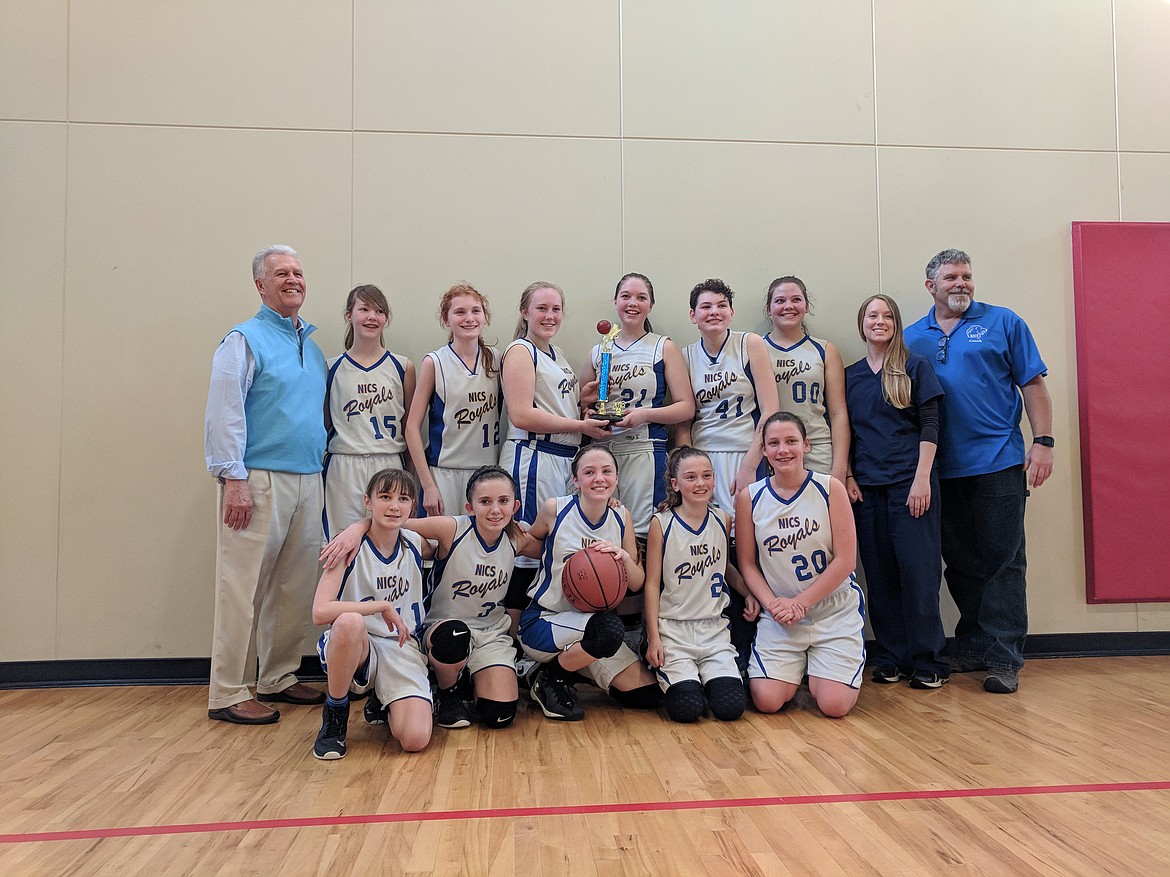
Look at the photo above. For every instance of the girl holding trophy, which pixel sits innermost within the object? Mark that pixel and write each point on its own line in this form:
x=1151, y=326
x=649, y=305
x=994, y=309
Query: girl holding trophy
x=644, y=371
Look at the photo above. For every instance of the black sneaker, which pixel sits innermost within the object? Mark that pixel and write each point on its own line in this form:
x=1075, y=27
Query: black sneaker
x=922, y=679
x=330, y=743
x=555, y=697
x=1001, y=680
x=887, y=674
x=450, y=711
x=373, y=712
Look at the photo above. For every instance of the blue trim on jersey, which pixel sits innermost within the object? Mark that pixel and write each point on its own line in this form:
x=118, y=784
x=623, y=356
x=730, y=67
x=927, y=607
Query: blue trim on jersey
x=861, y=611
x=332, y=431
x=808, y=476
x=657, y=431
x=435, y=433
x=703, y=347
x=659, y=475
x=546, y=552
x=553, y=448
x=747, y=370
x=324, y=477
x=475, y=368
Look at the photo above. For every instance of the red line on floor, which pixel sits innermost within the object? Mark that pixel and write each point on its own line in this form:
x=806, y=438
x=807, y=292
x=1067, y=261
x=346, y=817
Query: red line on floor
x=574, y=810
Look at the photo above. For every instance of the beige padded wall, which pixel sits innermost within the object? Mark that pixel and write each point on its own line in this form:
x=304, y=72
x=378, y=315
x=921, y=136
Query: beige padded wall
x=148, y=149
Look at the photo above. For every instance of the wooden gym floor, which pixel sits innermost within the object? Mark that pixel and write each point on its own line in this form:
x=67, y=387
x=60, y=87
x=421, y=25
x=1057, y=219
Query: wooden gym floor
x=1070, y=776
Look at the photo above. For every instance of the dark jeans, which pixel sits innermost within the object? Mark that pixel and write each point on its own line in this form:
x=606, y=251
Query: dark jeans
x=902, y=558
x=983, y=547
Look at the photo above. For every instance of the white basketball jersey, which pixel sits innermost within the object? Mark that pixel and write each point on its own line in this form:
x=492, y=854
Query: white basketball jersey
x=464, y=426
x=800, y=384
x=367, y=406
x=693, y=566
x=637, y=376
x=396, y=579
x=571, y=532
x=726, y=412
x=794, y=539
x=470, y=583
x=556, y=392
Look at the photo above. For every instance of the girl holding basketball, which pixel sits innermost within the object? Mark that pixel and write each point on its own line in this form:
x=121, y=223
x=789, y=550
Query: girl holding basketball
x=687, y=577
x=555, y=633
x=459, y=387
x=367, y=393
x=545, y=423
x=810, y=376
x=645, y=368
x=796, y=545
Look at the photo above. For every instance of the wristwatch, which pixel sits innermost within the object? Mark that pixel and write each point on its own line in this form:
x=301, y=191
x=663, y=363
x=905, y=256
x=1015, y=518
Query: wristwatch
x=1045, y=440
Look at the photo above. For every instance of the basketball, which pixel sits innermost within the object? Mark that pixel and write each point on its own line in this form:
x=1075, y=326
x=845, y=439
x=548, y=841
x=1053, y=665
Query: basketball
x=603, y=326
x=593, y=581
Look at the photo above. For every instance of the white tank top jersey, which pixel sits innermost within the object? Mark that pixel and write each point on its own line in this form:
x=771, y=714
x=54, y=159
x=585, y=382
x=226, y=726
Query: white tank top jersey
x=571, y=532
x=800, y=384
x=794, y=539
x=726, y=412
x=396, y=579
x=366, y=406
x=637, y=376
x=464, y=423
x=556, y=392
x=470, y=583
x=693, y=564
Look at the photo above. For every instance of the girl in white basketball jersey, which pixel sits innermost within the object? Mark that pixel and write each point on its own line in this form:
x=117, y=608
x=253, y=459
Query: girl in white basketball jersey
x=367, y=393
x=459, y=387
x=731, y=377
x=374, y=607
x=545, y=423
x=645, y=370
x=796, y=545
x=687, y=578
x=556, y=634
x=465, y=609
x=810, y=376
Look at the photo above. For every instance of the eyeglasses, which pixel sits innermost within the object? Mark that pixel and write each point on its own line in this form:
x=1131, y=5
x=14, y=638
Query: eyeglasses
x=943, y=345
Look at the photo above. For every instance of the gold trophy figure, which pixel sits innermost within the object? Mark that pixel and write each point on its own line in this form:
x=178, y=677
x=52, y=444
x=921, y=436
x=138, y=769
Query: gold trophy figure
x=614, y=410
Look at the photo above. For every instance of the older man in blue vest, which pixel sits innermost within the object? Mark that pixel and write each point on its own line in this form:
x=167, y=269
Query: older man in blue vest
x=264, y=440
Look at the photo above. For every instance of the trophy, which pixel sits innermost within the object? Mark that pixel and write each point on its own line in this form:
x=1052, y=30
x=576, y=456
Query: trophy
x=614, y=410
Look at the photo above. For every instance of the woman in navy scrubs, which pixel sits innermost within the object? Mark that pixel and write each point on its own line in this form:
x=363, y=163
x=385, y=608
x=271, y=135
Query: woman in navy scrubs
x=892, y=397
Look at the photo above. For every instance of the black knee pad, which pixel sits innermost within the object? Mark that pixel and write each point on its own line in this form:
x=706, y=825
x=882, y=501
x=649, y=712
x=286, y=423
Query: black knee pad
x=645, y=698
x=726, y=697
x=604, y=635
x=495, y=713
x=450, y=642
x=684, y=701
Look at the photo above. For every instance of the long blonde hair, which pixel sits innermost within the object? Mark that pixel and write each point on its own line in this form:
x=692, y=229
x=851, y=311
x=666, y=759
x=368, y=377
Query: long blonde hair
x=895, y=380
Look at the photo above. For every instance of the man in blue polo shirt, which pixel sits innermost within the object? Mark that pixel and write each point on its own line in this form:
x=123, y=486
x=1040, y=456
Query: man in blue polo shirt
x=989, y=366
x=264, y=439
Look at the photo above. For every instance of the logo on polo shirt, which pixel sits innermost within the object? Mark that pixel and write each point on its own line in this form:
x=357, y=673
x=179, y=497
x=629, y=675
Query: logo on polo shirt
x=975, y=333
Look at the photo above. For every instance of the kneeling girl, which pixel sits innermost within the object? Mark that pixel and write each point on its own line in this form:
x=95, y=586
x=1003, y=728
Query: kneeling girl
x=374, y=607
x=687, y=577
x=796, y=545
x=466, y=624
x=552, y=631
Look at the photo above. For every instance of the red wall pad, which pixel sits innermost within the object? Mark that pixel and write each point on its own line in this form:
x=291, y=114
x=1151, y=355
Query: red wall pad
x=1122, y=294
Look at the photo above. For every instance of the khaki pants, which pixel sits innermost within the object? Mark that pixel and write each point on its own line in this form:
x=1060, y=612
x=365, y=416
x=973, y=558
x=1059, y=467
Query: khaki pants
x=265, y=577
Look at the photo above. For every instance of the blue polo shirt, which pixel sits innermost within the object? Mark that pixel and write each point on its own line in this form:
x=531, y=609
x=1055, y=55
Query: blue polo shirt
x=981, y=365
x=885, y=442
